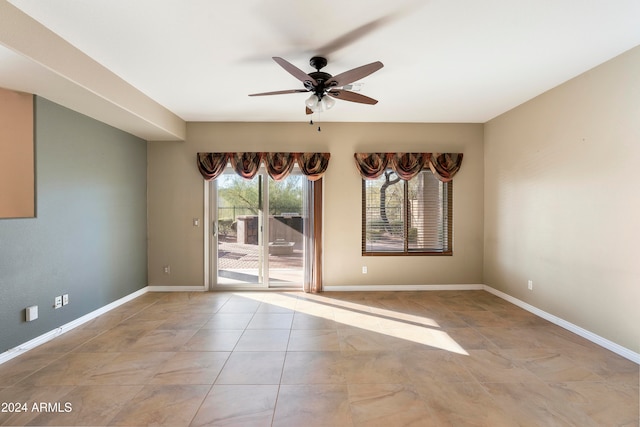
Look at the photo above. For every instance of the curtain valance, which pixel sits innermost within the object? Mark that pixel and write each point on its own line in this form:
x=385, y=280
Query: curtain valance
x=278, y=165
x=407, y=165
x=445, y=165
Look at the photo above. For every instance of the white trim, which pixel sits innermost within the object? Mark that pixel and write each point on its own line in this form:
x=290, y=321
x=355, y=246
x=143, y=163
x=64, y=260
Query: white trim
x=597, y=339
x=23, y=348
x=603, y=342
x=371, y=288
x=177, y=288
x=207, y=234
x=236, y=288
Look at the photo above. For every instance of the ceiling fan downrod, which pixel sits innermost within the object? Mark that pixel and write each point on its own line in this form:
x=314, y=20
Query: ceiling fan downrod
x=318, y=62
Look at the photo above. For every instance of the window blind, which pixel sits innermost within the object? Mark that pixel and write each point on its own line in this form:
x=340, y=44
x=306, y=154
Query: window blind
x=407, y=217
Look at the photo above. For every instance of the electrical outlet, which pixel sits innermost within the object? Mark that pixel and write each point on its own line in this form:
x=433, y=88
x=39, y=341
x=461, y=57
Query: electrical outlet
x=65, y=299
x=530, y=285
x=57, y=302
x=166, y=269
x=364, y=269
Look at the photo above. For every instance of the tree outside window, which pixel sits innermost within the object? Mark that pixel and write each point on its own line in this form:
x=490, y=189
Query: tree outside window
x=407, y=217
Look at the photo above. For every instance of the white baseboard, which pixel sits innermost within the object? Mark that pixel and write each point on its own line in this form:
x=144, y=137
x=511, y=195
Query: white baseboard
x=48, y=336
x=384, y=288
x=176, y=288
x=603, y=342
x=597, y=339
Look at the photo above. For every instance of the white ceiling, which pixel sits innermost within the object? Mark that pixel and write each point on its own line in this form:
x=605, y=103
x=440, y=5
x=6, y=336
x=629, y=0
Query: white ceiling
x=170, y=61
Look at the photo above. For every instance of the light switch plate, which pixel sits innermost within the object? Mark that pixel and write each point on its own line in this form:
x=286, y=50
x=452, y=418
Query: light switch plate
x=32, y=313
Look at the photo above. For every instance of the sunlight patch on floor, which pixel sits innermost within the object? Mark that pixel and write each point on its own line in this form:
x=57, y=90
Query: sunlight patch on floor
x=409, y=327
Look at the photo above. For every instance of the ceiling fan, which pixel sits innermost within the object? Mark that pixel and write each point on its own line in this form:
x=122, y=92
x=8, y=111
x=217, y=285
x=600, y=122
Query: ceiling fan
x=321, y=84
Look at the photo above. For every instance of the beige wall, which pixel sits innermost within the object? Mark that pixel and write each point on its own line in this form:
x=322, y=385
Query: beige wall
x=548, y=192
x=562, y=201
x=175, y=197
x=17, y=173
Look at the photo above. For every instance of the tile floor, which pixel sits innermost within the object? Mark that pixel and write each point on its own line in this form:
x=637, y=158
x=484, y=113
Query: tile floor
x=334, y=359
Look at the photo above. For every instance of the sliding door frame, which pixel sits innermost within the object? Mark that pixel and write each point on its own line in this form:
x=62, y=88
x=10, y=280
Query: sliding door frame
x=210, y=231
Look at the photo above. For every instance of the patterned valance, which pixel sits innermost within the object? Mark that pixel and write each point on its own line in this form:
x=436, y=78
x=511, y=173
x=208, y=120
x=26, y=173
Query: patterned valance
x=278, y=165
x=445, y=165
x=407, y=165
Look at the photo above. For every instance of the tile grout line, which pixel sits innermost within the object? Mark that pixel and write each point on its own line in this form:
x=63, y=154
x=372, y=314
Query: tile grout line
x=284, y=361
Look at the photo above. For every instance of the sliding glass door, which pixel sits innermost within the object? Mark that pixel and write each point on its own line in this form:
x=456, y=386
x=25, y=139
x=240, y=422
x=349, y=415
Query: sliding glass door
x=258, y=231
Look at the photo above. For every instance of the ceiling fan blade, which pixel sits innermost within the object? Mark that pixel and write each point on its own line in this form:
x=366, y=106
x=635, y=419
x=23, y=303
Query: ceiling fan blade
x=278, y=92
x=295, y=71
x=347, y=95
x=354, y=74
x=308, y=110
x=354, y=35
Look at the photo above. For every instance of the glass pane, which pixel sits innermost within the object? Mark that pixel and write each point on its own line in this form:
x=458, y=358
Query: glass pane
x=239, y=221
x=384, y=213
x=286, y=234
x=427, y=214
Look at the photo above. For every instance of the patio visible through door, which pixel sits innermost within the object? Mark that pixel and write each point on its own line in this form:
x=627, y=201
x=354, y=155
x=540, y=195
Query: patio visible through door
x=258, y=238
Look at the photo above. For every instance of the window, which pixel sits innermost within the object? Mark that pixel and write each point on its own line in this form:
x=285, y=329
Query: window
x=407, y=217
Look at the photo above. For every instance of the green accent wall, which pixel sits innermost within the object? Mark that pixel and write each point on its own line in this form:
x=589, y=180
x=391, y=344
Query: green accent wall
x=89, y=237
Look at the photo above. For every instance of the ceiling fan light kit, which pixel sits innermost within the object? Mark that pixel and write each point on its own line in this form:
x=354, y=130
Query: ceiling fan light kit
x=318, y=105
x=324, y=87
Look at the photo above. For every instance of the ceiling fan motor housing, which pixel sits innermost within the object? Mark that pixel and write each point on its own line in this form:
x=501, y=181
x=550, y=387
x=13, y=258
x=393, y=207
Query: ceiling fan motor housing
x=318, y=62
x=320, y=77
